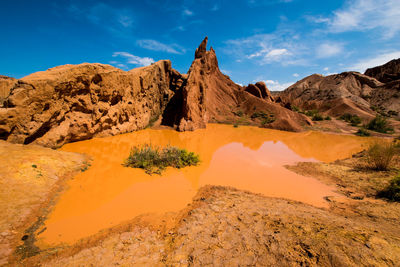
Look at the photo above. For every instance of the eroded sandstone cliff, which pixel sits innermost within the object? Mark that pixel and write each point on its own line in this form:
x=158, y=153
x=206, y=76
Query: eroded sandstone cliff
x=76, y=102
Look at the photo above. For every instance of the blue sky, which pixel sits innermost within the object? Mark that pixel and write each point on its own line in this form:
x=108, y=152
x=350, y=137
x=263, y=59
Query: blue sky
x=278, y=41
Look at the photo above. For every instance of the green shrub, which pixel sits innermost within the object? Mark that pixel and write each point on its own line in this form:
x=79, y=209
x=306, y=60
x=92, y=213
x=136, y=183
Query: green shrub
x=295, y=109
x=265, y=118
x=327, y=118
x=155, y=160
x=379, y=155
x=311, y=113
x=392, y=191
x=317, y=117
x=259, y=114
x=235, y=125
x=362, y=132
x=354, y=120
x=238, y=113
x=379, y=124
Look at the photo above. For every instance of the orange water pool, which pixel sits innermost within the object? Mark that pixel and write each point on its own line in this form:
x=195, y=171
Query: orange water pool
x=247, y=158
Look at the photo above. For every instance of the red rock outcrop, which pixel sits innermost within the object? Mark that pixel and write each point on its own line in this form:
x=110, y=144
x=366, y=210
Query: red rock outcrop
x=76, y=102
x=260, y=90
x=387, y=72
x=207, y=93
x=210, y=96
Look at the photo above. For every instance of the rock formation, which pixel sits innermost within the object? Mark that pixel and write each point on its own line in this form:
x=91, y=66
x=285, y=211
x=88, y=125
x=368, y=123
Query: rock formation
x=260, y=90
x=386, y=73
x=337, y=94
x=348, y=92
x=210, y=96
x=77, y=102
x=6, y=83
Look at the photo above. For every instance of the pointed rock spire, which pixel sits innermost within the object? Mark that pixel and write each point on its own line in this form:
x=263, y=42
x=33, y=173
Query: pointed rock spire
x=201, y=50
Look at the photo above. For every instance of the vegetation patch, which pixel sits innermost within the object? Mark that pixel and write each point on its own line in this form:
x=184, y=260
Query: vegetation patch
x=155, y=159
x=295, y=109
x=392, y=191
x=379, y=124
x=379, y=155
x=354, y=120
x=362, y=132
x=317, y=117
x=264, y=117
x=238, y=113
x=311, y=113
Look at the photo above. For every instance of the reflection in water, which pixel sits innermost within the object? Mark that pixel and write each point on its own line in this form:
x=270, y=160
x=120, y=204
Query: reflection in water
x=247, y=158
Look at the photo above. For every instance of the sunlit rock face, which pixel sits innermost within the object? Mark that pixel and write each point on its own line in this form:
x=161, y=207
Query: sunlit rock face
x=76, y=102
x=211, y=96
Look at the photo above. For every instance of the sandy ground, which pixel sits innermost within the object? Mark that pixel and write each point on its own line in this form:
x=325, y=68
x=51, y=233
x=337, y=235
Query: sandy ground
x=29, y=177
x=227, y=227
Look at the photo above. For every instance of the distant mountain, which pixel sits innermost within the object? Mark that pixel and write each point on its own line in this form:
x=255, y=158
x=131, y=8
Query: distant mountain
x=365, y=95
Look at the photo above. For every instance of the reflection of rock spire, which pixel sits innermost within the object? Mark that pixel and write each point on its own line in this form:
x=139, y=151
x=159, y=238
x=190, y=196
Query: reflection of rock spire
x=202, y=49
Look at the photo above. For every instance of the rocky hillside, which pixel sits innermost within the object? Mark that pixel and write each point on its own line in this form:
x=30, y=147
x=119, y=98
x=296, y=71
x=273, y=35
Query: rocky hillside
x=77, y=102
x=365, y=95
x=386, y=73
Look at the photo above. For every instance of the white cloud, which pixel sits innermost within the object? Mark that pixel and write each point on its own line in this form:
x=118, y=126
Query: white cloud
x=125, y=20
x=134, y=60
x=326, y=50
x=187, y=12
x=296, y=75
x=157, y=46
x=276, y=85
x=380, y=59
x=365, y=15
x=326, y=69
x=122, y=66
x=276, y=54
x=282, y=46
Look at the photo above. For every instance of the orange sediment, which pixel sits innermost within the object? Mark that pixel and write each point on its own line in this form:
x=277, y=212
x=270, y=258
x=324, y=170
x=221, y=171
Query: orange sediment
x=247, y=158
